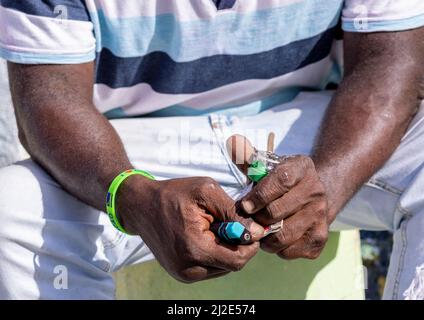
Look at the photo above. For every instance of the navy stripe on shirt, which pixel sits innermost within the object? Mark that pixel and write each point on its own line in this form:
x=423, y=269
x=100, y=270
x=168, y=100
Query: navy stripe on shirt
x=224, y=4
x=75, y=9
x=165, y=75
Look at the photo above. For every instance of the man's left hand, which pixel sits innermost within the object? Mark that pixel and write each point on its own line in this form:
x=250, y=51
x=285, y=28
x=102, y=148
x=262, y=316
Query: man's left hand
x=294, y=193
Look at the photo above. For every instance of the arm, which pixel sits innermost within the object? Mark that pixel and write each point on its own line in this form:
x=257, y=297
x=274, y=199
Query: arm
x=67, y=136
x=364, y=124
x=371, y=110
x=62, y=130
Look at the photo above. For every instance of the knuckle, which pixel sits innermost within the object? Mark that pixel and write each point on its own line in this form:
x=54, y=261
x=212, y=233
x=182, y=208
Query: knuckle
x=312, y=255
x=205, y=186
x=208, y=183
x=321, y=209
x=285, y=176
x=317, y=238
x=320, y=239
x=319, y=242
x=307, y=161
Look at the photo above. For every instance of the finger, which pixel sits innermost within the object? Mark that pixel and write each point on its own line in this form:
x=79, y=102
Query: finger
x=227, y=257
x=291, y=202
x=278, y=182
x=217, y=275
x=222, y=207
x=300, y=249
x=214, y=199
x=198, y=273
x=293, y=229
x=309, y=246
x=231, y=260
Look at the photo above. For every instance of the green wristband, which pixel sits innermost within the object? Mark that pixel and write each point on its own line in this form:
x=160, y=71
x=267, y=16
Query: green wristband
x=111, y=194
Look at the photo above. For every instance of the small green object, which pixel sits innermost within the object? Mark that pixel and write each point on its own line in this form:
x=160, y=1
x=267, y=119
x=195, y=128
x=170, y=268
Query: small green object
x=111, y=195
x=257, y=171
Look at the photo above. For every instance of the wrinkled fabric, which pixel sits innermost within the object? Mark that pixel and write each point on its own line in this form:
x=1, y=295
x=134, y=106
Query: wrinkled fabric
x=49, y=240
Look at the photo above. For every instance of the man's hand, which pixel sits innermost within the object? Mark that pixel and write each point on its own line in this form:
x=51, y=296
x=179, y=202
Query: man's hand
x=173, y=217
x=294, y=193
x=365, y=121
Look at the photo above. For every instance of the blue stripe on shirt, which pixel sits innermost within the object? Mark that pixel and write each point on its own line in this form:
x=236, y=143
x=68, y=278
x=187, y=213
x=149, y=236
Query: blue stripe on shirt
x=167, y=76
x=191, y=40
x=37, y=58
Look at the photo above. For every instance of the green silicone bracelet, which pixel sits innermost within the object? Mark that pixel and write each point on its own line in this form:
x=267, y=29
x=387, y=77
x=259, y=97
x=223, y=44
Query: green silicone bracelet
x=111, y=195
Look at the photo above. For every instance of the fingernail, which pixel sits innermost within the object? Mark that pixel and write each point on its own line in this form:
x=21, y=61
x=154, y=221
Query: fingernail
x=248, y=206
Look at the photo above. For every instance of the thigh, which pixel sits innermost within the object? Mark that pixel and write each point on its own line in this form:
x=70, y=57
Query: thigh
x=51, y=244
x=406, y=272
x=405, y=278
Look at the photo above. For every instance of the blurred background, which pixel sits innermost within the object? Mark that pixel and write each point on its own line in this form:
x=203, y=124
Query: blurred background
x=375, y=246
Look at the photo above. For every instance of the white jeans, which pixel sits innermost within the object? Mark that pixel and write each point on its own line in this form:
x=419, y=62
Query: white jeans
x=53, y=246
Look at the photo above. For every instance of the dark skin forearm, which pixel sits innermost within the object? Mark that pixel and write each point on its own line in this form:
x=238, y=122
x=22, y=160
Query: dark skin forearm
x=68, y=137
x=364, y=124
x=370, y=111
x=62, y=130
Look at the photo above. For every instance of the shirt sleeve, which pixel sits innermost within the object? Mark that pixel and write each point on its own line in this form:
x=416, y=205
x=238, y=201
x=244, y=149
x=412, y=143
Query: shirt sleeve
x=382, y=15
x=46, y=32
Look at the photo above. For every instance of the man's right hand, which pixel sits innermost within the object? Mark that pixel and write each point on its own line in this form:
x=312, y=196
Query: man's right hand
x=63, y=131
x=173, y=217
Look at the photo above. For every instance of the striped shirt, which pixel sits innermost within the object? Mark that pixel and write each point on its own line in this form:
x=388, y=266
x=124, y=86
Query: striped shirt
x=192, y=57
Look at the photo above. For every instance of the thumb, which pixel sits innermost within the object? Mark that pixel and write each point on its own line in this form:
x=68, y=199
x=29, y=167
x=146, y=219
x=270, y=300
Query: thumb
x=237, y=214
x=224, y=209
